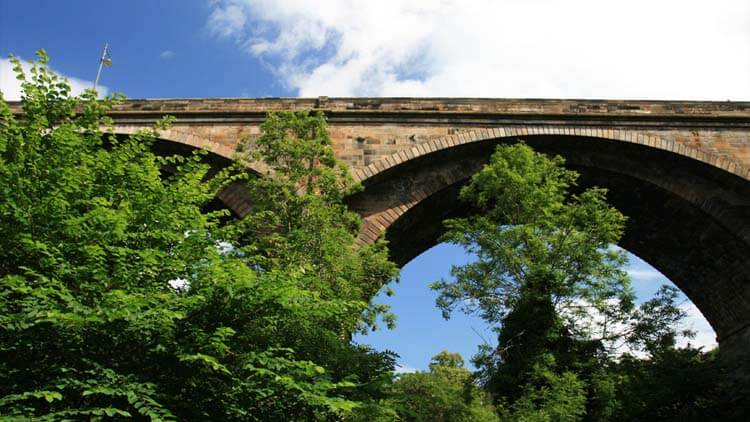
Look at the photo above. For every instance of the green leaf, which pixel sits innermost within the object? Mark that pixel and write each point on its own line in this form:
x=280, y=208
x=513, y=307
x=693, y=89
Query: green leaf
x=51, y=396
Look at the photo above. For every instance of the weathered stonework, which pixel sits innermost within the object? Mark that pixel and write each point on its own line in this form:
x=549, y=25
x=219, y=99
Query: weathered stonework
x=365, y=130
x=679, y=170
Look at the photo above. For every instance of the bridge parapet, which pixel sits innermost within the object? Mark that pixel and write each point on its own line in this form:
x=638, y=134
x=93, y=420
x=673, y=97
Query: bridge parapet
x=368, y=130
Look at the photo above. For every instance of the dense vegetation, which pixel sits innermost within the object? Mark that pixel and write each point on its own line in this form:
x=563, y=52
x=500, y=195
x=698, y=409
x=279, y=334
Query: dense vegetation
x=548, y=280
x=446, y=393
x=123, y=294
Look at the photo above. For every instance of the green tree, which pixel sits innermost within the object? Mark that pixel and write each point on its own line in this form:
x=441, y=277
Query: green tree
x=121, y=297
x=548, y=279
x=542, y=260
x=445, y=393
x=299, y=220
x=677, y=384
x=548, y=395
x=299, y=223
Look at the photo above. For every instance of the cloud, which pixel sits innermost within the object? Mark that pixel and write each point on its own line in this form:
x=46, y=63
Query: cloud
x=704, y=335
x=226, y=20
x=11, y=87
x=645, y=274
x=167, y=54
x=594, y=322
x=404, y=369
x=670, y=49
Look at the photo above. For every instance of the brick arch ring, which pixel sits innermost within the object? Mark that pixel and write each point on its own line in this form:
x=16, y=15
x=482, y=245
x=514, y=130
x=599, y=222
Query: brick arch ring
x=180, y=137
x=234, y=196
x=372, y=231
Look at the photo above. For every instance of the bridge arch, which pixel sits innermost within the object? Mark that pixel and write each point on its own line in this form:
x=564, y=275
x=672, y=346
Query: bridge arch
x=178, y=136
x=175, y=142
x=689, y=208
x=689, y=211
x=624, y=135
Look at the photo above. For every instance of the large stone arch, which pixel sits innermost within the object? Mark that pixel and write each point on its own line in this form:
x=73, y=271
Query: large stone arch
x=689, y=210
x=624, y=135
x=374, y=170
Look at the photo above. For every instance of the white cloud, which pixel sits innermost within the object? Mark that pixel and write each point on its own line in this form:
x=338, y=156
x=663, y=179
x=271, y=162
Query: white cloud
x=667, y=49
x=593, y=321
x=644, y=274
x=404, y=369
x=167, y=54
x=704, y=335
x=226, y=20
x=11, y=87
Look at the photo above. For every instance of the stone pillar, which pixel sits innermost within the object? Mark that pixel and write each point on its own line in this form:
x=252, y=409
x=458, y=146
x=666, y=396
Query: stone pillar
x=734, y=351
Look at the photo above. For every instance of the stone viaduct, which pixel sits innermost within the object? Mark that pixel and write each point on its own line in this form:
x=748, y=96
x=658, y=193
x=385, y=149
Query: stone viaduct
x=679, y=170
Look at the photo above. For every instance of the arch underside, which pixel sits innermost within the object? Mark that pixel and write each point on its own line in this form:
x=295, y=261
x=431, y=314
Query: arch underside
x=688, y=219
x=173, y=141
x=233, y=197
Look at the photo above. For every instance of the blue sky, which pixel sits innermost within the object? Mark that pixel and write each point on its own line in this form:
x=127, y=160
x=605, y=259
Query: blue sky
x=634, y=49
x=141, y=35
x=422, y=332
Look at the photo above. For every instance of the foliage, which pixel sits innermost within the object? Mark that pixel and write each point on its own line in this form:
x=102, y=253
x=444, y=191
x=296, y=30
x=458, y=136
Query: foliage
x=547, y=277
x=445, y=393
x=299, y=220
x=123, y=296
x=543, y=263
x=677, y=385
x=548, y=395
x=299, y=223
x=95, y=234
x=534, y=242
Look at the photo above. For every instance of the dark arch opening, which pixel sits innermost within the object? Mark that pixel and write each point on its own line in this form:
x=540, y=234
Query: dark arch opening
x=233, y=198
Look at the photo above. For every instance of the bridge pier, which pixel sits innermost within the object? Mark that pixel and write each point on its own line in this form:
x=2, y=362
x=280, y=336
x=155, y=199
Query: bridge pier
x=734, y=351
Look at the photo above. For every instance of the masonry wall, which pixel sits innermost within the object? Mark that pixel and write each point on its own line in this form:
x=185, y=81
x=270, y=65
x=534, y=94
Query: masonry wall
x=367, y=130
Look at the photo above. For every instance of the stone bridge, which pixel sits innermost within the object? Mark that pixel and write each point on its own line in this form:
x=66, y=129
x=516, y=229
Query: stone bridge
x=679, y=170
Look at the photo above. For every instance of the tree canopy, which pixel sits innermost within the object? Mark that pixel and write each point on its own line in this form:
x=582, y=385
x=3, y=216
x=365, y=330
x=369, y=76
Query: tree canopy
x=549, y=280
x=446, y=392
x=123, y=296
